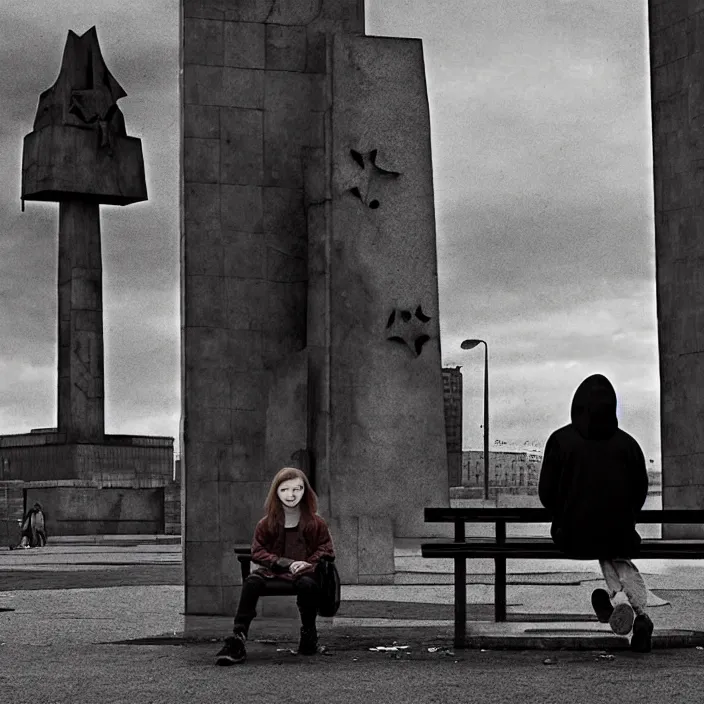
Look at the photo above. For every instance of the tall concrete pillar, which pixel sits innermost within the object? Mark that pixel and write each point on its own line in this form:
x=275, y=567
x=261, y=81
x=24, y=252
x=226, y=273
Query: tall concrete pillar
x=254, y=87
x=310, y=322
x=81, y=388
x=677, y=87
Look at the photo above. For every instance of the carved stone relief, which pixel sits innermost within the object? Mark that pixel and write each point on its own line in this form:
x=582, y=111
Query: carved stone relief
x=410, y=329
x=369, y=178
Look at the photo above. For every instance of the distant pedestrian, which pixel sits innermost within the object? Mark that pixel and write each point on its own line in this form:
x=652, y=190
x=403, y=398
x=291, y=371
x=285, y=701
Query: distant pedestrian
x=594, y=482
x=38, y=526
x=288, y=543
x=33, y=529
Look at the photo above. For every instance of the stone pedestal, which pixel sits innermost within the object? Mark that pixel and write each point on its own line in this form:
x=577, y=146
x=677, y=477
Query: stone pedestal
x=677, y=73
x=122, y=485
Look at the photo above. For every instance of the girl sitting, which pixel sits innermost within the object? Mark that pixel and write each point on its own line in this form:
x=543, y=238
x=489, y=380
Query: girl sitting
x=288, y=543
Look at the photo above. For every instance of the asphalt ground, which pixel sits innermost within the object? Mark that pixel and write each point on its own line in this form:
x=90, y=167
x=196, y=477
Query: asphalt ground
x=106, y=625
x=139, y=674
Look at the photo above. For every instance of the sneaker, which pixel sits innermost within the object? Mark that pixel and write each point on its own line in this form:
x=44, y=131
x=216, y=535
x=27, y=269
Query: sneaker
x=602, y=605
x=308, y=645
x=642, y=641
x=233, y=651
x=621, y=620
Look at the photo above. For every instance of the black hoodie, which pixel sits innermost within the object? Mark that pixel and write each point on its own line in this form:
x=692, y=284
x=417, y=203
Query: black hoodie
x=593, y=479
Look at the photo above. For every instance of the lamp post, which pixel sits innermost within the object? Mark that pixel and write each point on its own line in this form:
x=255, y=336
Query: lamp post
x=468, y=345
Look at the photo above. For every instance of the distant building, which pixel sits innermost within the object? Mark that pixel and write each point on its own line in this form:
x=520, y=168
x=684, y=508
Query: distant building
x=125, y=484
x=654, y=483
x=510, y=471
x=515, y=471
x=452, y=394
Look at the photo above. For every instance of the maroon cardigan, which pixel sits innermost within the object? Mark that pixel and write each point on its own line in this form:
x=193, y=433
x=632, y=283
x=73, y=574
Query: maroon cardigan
x=268, y=547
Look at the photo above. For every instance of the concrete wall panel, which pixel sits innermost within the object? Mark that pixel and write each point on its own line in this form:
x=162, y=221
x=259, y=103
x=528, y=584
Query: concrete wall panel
x=293, y=273
x=677, y=65
x=93, y=511
x=389, y=430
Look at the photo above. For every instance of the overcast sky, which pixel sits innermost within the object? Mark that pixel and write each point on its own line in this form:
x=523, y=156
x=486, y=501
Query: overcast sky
x=543, y=179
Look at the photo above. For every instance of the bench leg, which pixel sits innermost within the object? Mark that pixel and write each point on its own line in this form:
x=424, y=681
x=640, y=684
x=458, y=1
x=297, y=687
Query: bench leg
x=500, y=589
x=460, y=602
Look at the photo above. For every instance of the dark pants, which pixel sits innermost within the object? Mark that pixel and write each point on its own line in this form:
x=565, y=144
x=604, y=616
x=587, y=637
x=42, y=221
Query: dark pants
x=305, y=588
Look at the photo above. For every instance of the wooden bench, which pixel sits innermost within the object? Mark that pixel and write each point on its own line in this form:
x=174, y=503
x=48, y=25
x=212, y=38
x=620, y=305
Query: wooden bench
x=244, y=556
x=500, y=549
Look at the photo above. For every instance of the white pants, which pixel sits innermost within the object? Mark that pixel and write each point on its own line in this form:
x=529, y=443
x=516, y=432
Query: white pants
x=625, y=583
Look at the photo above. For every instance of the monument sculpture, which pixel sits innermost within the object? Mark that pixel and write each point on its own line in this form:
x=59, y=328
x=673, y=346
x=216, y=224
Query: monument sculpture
x=79, y=155
x=310, y=329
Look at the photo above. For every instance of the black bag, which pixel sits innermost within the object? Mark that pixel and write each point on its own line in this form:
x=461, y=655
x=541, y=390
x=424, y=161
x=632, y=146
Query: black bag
x=329, y=582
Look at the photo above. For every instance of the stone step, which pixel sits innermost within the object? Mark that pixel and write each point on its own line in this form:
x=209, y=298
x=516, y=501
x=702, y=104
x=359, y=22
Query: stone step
x=112, y=539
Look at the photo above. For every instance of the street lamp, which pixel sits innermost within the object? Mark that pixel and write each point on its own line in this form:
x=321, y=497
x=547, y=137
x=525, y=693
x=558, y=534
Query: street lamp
x=468, y=345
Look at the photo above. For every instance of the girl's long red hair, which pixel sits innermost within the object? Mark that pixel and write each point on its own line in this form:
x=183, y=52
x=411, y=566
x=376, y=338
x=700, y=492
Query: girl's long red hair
x=272, y=505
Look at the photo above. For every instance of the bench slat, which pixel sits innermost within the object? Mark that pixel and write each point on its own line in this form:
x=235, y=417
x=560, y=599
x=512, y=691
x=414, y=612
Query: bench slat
x=544, y=541
x=541, y=515
x=539, y=542
x=649, y=549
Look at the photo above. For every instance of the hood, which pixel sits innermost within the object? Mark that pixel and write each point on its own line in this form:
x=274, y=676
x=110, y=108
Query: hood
x=594, y=408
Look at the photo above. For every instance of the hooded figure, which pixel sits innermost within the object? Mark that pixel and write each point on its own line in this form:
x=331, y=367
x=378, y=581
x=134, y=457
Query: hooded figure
x=593, y=478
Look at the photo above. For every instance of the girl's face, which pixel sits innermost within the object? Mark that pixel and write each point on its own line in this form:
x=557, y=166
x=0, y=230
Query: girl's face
x=290, y=492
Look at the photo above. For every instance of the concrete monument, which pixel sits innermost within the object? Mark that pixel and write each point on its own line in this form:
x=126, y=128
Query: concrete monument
x=677, y=85
x=310, y=329
x=79, y=155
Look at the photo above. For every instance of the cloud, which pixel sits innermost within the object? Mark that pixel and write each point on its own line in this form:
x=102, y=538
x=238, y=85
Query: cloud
x=142, y=380
x=542, y=169
x=27, y=395
x=542, y=156
x=142, y=371
x=537, y=361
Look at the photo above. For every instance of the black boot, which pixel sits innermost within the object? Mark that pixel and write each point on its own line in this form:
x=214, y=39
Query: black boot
x=602, y=605
x=642, y=639
x=308, y=645
x=233, y=651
